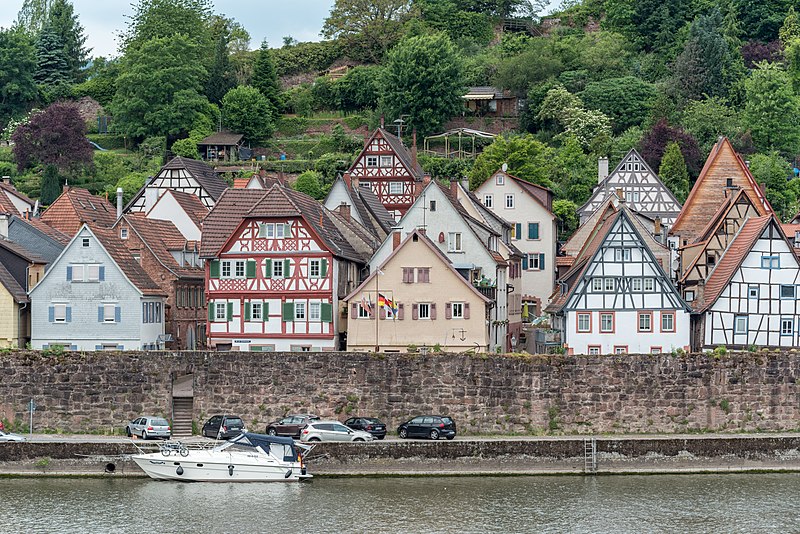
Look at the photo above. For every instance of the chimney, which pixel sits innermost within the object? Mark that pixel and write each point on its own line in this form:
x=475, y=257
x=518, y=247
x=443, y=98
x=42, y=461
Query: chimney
x=119, y=202
x=7, y=180
x=4, y=225
x=454, y=187
x=344, y=210
x=747, y=163
x=413, y=150
x=602, y=169
x=355, y=182
x=64, y=188
x=657, y=226
x=346, y=178
x=465, y=184
x=396, y=236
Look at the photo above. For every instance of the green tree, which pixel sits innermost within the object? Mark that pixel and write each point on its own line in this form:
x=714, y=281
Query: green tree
x=772, y=170
x=220, y=76
x=51, y=185
x=708, y=119
x=159, y=19
x=538, y=63
x=245, y=110
x=573, y=171
x=673, y=171
x=771, y=109
x=310, y=183
x=590, y=127
x=358, y=89
x=265, y=78
x=131, y=184
x=423, y=80
x=566, y=212
x=158, y=89
x=704, y=66
x=102, y=81
x=626, y=101
x=51, y=62
x=62, y=21
x=791, y=27
x=32, y=16
x=186, y=148
x=368, y=29
x=527, y=159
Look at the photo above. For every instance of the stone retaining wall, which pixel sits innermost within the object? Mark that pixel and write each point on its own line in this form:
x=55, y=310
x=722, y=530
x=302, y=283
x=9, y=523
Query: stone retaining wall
x=99, y=392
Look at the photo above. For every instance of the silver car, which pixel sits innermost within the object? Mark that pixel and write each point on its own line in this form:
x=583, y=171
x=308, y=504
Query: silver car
x=8, y=436
x=148, y=427
x=332, y=431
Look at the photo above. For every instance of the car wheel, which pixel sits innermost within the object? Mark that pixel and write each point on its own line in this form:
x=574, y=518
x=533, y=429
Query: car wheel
x=314, y=439
x=451, y=437
x=144, y=434
x=403, y=433
x=434, y=434
x=128, y=432
x=381, y=437
x=359, y=440
x=272, y=432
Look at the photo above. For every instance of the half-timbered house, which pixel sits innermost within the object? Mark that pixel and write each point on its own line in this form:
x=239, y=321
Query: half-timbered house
x=750, y=297
x=363, y=205
x=616, y=298
x=389, y=169
x=180, y=174
x=278, y=265
x=644, y=191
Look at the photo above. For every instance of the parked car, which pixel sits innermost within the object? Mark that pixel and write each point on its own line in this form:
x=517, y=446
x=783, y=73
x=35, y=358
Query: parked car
x=428, y=426
x=332, y=431
x=147, y=427
x=291, y=425
x=223, y=426
x=8, y=436
x=368, y=424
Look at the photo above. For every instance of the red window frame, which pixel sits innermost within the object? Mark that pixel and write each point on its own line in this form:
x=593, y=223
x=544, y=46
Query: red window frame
x=577, y=323
x=674, y=321
x=613, y=322
x=639, y=324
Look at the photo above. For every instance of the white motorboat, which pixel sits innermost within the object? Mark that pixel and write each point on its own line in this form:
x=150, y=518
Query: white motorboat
x=246, y=458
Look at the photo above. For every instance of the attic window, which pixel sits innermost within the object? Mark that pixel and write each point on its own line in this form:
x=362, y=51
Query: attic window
x=500, y=179
x=415, y=237
x=433, y=205
x=85, y=242
x=372, y=161
x=137, y=257
x=123, y=233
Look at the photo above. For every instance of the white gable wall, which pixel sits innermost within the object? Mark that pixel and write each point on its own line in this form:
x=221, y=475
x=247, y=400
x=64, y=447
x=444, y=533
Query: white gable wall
x=168, y=209
x=339, y=195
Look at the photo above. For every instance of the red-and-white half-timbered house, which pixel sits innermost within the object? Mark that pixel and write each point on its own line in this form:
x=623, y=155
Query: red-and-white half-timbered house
x=390, y=169
x=277, y=265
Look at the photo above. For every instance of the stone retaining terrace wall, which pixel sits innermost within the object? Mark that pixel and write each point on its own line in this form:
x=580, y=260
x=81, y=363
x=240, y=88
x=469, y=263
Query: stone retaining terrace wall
x=99, y=392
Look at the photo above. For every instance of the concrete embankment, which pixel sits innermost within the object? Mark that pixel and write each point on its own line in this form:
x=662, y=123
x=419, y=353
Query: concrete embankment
x=562, y=455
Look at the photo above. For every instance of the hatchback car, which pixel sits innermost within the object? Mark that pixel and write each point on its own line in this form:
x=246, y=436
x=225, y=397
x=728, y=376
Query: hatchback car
x=147, y=427
x=291, y=425
x=428, y=426
x=332, y=431
x=367, y=424
x=223, y=427
x=8, y=436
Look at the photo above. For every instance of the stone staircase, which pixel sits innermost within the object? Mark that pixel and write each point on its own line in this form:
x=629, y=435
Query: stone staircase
x=182, y=408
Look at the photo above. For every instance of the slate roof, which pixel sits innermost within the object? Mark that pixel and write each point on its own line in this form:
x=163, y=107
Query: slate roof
x=237, y=204
x=205, y=175
x=730, y=261
x=77, y=206
x=224, y=137
x=192, y=205
x=22, y=252
x=12, y=286
x=123, y=258
x=161, y=237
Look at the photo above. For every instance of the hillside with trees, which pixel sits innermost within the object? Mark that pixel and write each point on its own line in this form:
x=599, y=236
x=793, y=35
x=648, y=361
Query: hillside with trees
x=593, y=79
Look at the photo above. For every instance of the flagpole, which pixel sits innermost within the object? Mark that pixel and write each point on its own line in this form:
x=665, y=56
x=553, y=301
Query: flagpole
x=377, y=309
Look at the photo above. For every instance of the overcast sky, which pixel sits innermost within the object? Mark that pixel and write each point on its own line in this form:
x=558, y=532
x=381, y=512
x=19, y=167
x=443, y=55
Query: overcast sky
x=270, y=19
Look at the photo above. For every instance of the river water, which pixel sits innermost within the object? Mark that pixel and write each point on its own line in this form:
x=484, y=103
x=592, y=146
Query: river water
x=642, y=504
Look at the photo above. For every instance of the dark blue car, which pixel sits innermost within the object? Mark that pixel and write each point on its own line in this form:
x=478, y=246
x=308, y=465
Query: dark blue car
x=428, y=426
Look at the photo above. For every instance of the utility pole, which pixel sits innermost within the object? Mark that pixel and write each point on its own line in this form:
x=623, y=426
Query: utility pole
x=31, y=408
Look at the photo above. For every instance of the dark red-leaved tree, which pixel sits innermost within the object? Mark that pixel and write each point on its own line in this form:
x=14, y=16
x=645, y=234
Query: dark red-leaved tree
x=755, y=52
x=655, y=141
x=55, y=136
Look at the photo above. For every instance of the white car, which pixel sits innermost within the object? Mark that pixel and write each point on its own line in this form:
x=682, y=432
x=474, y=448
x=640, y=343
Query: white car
x=332, y=431
x=7, y=436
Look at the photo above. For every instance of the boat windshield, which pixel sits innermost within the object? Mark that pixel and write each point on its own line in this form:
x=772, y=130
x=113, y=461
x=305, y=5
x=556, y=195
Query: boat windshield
x=279, y=447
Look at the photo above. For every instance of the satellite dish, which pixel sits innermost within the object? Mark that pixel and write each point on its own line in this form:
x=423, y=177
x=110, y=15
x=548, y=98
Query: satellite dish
x=505, y=167
x=676, y=264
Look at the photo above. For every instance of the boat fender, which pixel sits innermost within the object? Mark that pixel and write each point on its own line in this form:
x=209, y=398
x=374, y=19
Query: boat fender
x=303, y=470
x=179, y=470
x=110, y=468
x=230, y=470
x=288, y=474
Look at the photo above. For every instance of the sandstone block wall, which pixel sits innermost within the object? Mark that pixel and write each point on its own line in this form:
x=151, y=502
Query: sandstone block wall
x=99, y=392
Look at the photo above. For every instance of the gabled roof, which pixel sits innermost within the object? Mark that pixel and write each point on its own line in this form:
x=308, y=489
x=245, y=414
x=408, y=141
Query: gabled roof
x=235, y=205
x=402, y=153
x=44, y=229
x=206, y=176
x=160, y=237
x=6, y=205
x=541, y=194
x=21, y=252
x=12, y=286
x=422, y=238
x=708, y=192
x=191, y=205
x=77, y=206
x=124, y=260
x=368, y=207
x=733, y=257
x=484, y=92
x=224, y=137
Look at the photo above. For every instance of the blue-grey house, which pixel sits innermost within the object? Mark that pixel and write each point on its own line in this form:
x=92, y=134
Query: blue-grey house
x=96, y=296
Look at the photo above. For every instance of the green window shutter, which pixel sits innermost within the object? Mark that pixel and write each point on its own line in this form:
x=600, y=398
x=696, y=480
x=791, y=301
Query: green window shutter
x=326, y=312
x=286, y=266
x=265, y=311
x=230, y=311
x=246, y=311
x=268, y=269
x=211, y=311
x=533, y=230
x=541, y=261
x=323, y=269
x=213, y=269
x=288, y=311
x=251, y=269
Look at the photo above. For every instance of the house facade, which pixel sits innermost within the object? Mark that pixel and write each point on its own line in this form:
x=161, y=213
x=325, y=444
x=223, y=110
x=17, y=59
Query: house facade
x=387, y=167
x=416, y=299
x=528, y=208
x=750, y=297
x=95, y=296
x=14, y=310
x=616, y=298
x=278, y=265
x=13, y=202
x=180, y=174
x=364, y=206
x=184, y=210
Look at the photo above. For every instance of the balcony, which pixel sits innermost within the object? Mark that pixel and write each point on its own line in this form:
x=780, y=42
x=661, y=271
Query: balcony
x=488, y=292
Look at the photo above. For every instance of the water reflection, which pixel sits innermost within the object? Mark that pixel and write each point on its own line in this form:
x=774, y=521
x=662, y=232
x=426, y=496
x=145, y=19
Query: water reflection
x=687, y=503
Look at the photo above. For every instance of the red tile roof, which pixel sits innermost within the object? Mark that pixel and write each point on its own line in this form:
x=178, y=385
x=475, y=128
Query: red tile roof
x=77, y=206
x=124, y=260
x=192, y=205
x=6, y=204
x=721, y=276
x=161, y=237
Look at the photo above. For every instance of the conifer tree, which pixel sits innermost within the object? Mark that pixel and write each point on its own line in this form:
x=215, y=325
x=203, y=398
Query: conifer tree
x=673, y=171
x=703, y=67
x=63, y=21
x=51, y=185
x=51, y=64
x=265, y=77
x=220, y=79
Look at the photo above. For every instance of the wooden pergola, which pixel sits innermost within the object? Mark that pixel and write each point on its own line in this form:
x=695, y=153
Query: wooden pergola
x=455, y=149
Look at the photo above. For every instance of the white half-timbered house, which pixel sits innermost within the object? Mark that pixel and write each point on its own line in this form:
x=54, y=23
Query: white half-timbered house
x=387, y=167
x=644, y=191
x=278, y=264
x=180, y=174
x=363, y=205
x=616, y=297
x=750, y=298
